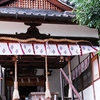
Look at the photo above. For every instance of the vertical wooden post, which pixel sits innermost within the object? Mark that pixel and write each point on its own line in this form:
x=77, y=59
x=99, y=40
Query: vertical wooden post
x=47, y=92
x=69, y=71
x=61, y=86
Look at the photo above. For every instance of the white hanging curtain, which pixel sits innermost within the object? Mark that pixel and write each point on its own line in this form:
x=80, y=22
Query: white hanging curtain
x=56, y=49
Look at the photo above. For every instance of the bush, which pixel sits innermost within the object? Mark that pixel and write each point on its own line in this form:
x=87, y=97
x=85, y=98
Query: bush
x=87, y=13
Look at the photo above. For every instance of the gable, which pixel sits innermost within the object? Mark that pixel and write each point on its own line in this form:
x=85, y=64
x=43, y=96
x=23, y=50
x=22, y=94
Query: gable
x=57, y=5
x=41, y=11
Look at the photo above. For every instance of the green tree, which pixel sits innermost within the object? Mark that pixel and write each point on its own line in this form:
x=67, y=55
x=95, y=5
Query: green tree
x=87, y=13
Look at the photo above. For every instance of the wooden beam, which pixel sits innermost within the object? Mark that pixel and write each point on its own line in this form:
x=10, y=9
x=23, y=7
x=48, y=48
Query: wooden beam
x=4, y=1
x=25, y=83
x=38, y=20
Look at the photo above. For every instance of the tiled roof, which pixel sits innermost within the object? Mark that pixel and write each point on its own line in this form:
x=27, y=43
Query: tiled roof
x=35, y=12
x=67, y=3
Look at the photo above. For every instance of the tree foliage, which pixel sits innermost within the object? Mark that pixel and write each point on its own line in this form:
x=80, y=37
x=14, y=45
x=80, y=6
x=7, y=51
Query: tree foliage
x=87, y=13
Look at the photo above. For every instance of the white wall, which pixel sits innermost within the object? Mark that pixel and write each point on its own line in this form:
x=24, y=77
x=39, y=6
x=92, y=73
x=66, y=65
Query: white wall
x=97, y=89
x=40, y=72
x=88, y=93
x=54, y=80
x=53, y=29
x=0, y=81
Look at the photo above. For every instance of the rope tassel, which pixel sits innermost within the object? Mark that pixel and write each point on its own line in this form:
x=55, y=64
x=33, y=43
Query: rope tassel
x=15, y=92
x=47, y=92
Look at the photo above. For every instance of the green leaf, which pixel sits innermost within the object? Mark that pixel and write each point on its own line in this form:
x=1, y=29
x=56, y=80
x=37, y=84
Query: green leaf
x=88, y=13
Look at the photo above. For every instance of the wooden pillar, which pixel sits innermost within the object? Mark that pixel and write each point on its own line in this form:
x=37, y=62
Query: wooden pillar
x=69, y=71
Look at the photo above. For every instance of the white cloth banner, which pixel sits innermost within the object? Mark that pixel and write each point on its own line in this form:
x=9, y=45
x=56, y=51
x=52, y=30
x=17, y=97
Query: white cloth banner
x=45, y=49
x=15, y=48
x=4, y=50
x=64, y=50
x=74, y=49
x=27, y=48
x=89, y=49
x=51, y=49
x=39, y=49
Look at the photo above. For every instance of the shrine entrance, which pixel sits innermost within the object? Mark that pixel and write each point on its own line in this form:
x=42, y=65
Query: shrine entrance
x=31, y=50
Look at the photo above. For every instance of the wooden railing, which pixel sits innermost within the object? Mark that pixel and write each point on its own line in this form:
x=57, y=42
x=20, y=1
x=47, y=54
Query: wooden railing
x=71, y=85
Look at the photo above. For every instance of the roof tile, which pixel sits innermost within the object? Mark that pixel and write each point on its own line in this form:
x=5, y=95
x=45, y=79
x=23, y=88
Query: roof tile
x=36, y=12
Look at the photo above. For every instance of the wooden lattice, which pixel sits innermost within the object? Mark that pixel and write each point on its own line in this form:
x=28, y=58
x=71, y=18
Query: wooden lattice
x=36, y=4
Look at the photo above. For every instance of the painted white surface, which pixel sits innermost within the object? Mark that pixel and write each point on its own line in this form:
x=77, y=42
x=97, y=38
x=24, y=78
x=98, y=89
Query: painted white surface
x=12, y=27
x=66, y=69
x=54, y=81
x=40, y=72
x=88, y=93
x=0, y=81
x=74, y=62
x=97, y=89
x=83, y=57
x=68, y=30
x=3, y=81
x=53, y=29
x=80, y=93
